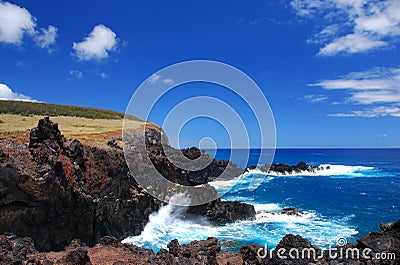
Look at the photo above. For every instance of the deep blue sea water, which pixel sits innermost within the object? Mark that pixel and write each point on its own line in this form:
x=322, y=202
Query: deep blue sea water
x=360, y=189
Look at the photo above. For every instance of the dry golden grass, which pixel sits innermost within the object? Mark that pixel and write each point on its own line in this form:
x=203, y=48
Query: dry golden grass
x=93, y=132
x=69, y=126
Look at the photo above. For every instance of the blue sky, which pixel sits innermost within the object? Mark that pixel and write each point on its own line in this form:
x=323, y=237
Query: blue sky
x=330, y=69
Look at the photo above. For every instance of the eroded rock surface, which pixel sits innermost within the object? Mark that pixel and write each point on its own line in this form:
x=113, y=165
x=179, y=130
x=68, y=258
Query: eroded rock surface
x=16, y=250
x=54, y=190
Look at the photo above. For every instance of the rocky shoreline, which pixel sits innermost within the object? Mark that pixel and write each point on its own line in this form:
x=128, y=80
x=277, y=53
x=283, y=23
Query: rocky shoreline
x=54, y=190
x=65, y=202
x=17, y=250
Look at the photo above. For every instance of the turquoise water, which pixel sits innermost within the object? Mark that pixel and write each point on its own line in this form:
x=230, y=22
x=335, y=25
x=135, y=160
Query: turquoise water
x=360, y=189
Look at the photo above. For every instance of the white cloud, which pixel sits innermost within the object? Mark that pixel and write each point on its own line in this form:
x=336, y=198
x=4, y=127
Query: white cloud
x=371, y=113
x=377, y=96
x=103, y=75
x=384, y=19
x=47, y=37
x=378, y=87
x=307, y=8
x=97, y=45
x=316, y=98
x=375, y=73
x=351, y=43
x=19, y=64
x=157, y=78
x=357, y=84
x=7, y=94
x=154, y=78
x=168, y=81
x=351, y=26
x=326, y=34
x=76, y=74
x=16, y=22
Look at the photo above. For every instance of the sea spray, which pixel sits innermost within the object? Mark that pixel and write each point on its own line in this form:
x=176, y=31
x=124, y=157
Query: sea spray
x=245, y=180
x=170, y=223
x=330, y=170
x=160, y=222
x=269, y=227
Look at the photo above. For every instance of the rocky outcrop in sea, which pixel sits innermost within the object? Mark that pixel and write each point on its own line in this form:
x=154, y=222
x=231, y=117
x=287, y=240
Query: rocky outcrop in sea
x=285, y=169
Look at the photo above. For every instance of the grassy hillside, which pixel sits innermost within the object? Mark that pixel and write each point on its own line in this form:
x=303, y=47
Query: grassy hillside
x=87, y=124
x=44, y=109
x=69, y=126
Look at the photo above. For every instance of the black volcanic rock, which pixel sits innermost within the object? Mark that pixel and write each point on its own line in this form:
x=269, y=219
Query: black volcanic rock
x=250, y=255
x=285, y=169
x=191, y=153
x=78, y=256
x=386, y=241
x=46, y=132
x=297, y=242
x=217, y=212
x=222, y=212
x=113, y=143
x=302, y=166
x=58, y=190
x=17, y=250
x=109, y=241
x=196, y=252
x=291, y=211
x=187, y=177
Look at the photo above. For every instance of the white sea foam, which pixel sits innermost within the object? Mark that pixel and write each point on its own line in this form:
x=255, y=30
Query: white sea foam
x=274, y=217
x=321, y=231
x=245, y=181
x=252, y=178
x=274, y=207
x=328, y=170
x=160, y=222
x=269, y=227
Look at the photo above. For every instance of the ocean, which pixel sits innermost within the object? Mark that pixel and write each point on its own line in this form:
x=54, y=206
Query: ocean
x=345, y=202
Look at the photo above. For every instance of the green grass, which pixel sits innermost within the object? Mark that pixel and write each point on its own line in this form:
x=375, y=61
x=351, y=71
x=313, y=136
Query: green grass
x=1, y=122
x=44, y=109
